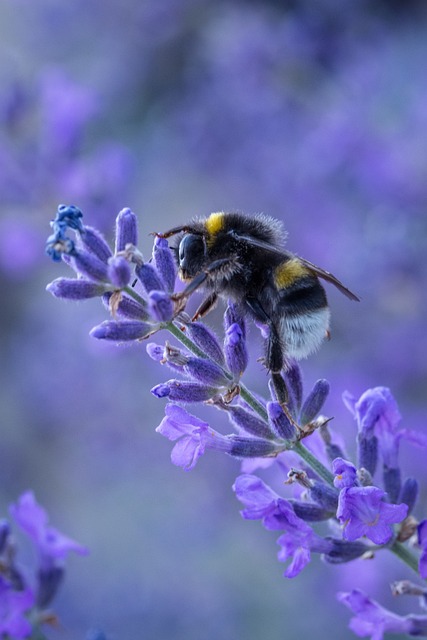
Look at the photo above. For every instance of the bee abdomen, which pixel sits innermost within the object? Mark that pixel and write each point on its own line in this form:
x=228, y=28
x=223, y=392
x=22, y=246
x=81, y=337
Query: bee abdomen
x=303, y=333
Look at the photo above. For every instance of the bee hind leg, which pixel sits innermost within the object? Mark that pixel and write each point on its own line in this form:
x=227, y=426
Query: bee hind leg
x=274, y=357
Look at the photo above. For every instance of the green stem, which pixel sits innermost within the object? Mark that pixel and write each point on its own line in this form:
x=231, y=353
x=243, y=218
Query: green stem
x=317, y=466
x=405, y=555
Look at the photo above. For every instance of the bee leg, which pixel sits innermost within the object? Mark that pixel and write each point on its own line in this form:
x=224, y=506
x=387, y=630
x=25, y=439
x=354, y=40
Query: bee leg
x=274, y=350
x=206, y=306
x=201, y=278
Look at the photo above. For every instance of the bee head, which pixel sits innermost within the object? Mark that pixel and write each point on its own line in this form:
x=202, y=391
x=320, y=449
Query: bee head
x=191, y=255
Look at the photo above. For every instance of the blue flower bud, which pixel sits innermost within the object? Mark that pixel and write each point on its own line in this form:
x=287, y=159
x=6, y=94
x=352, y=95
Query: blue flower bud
x=126, y=229
x=122, y=331
x=75, y=289
x=149, y=277
x=119, y=271
x=280, y=422
x=164, y=263
x=409, y=493
x=247, y=421
x=206, y=340
x=183, y=391
x=90, y=265
x=236, y=355
x=314, y=401
x=69, y=216
x=57, y=247
x=251, y=447
x=160, y=305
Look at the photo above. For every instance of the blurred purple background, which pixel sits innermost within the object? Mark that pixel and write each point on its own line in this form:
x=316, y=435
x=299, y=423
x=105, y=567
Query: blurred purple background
x=313, y=112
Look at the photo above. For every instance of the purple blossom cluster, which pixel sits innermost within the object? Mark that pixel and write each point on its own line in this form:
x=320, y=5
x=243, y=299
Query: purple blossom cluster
x=26, y=595
x=341, y=509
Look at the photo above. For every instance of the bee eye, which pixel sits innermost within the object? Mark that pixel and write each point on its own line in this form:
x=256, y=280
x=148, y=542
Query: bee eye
x=191, y=251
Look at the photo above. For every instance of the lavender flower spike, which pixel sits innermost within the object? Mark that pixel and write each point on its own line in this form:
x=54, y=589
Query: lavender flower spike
x=13, y=607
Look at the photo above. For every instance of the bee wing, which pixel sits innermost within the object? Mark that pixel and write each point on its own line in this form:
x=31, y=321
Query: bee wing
x=329, y=278
x=321, y=273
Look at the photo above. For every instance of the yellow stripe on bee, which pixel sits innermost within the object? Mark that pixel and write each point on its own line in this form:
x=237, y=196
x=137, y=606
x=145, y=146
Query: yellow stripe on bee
x=214, y=224
x=288, y=272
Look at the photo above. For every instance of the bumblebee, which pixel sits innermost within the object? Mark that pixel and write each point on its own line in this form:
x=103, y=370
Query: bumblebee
x=243, y=258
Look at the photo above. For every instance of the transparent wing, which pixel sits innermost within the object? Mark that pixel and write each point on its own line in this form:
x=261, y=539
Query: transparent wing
x=321, y=273
x=329, y=277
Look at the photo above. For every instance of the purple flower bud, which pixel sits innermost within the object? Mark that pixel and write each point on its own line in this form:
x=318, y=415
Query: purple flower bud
x=367, y=452
x=280, y=422
x=4, y=535
x=249, y=422
x=206, y=371
x=236, y=355
x=345, y=473
x=293, y=378
x=89, y=265
x=49, y=581
x=409, y=493
x=233, y=315
x=95, y=242
x=314, y=401
x=160, y=305
x=324, y=495
x=149, y=277
x=206, y=340
x=363, y=512
x=183, y=391
x=127, y=308
x=164, y=263
x=122, y=331
x=251, y=447
x=344, y=551
x=75, y=289
x=311, y=512
x=119, y=271
x=126, y=229
x=392, y=483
